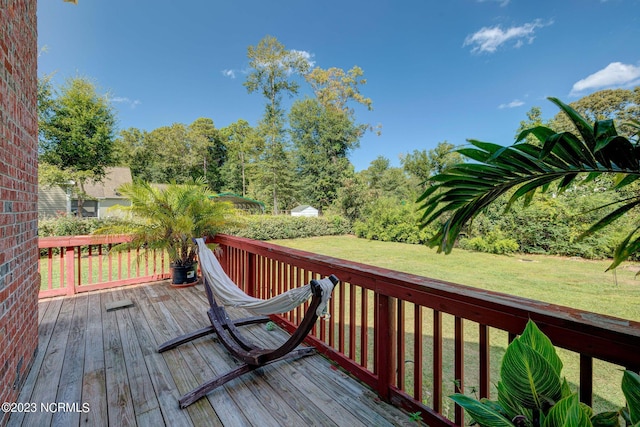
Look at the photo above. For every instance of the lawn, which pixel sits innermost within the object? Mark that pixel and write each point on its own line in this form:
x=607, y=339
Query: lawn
x=572, y=282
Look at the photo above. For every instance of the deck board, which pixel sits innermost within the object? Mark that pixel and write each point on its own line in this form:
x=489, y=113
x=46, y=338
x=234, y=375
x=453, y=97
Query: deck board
x=108, y=361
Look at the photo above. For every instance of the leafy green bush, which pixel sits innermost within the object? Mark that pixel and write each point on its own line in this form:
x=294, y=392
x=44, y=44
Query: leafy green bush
x=267, y=227
x=390, y=220
x=66, y=225
x=494, y=243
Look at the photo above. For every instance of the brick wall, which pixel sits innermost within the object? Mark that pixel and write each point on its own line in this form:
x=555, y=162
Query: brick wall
x=19, y=281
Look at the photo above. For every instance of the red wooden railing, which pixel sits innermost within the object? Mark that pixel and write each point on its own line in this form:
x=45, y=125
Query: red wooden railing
x=74, y=264
x=388, y=328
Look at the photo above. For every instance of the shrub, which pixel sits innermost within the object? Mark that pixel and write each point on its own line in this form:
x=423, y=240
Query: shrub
x=389, y=220
x=66, y=225
x=494, y=242
x=266, y=227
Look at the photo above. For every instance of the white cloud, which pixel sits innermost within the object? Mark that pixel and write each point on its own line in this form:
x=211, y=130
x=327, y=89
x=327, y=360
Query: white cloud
x=513, y=104
x=615, y=74
x=229, y=73
x=489, y=39
x=124, y=100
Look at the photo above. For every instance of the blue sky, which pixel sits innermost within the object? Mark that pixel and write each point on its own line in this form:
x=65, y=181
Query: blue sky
x=436, y=70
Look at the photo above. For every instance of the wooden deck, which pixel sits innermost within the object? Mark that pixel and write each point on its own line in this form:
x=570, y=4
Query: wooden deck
x=96, y=368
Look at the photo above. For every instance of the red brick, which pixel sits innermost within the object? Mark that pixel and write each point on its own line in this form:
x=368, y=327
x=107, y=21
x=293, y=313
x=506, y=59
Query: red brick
x=18, y=187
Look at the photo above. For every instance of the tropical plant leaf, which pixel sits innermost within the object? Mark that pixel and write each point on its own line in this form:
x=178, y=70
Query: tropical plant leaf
x=608, y=219
x=510, y=406
x=540, y=132
x=531, y=379
x=482, y=414
x=584, y=128
x=625, y=249
x=631, y=391
x=606, y=419
x=537, y=340
x=623, y=180
x=568, y=412
x=459, y=194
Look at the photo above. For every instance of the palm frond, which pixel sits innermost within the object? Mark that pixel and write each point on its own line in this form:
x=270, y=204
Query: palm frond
x=460, y=193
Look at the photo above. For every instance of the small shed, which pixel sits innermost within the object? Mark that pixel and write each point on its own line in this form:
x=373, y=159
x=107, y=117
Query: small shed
x=304, y=210
x=239, y=202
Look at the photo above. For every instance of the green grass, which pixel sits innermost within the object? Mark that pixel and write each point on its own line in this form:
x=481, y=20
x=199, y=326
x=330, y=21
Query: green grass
x=570, y=282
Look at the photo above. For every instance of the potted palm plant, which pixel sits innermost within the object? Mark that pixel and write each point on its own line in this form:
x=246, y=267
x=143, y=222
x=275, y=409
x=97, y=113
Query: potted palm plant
x=167, y=218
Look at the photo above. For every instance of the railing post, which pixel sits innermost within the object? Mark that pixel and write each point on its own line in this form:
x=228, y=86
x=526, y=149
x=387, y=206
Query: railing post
x=69, y=261
x=385, y=348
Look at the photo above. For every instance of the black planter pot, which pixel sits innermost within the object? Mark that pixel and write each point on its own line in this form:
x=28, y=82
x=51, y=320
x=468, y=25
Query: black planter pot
x=186, y=276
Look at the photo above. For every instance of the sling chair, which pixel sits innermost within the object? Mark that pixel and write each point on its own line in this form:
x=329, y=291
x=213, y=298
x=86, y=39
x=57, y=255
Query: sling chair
x=221, y=289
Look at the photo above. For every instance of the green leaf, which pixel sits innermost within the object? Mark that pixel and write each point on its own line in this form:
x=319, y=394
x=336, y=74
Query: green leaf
x=529, y=377
x=568, y=412
x=584, y=128
x=606, y=419
x=608, y=219
x=623, y=180
x=509, y=405
x=540, y=132
x=625, y=249
x=631, y=391
x=536, y=339
x=484, y=415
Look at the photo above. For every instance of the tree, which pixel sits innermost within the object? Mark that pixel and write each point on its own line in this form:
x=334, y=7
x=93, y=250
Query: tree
x=422, y=164
x=322, y=138
x=534, y=118
x=130, y=150
x=207, y=151
x=620, y=105
x=461, y=192
x=273, y=68
x=242, y=144
x=76, y=132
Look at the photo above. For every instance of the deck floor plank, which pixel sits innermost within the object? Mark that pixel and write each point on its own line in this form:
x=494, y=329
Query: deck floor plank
x=48, y=319
x=119, y=400
x=176, y=365
x=109, y=361
x=163, y=384
x=46, y=386
x=145, y=402
x=206, y=362
x=94, y=381
x=70, y=385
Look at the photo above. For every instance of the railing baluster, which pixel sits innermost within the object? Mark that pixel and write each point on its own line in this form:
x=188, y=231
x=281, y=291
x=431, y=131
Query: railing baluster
x=417, y=352
x=385, y=345
x=401, y=345
x=459, y=365
x=50, y=269
x=586, y=379
x=341, y=323
x=364, y=328
x=485, y=361
x=352, y=321
x=89, y=266
x=437, y=361
x=69, y=261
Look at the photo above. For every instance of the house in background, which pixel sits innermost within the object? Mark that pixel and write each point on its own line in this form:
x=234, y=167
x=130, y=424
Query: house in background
x=304, y=210
x=54, y=201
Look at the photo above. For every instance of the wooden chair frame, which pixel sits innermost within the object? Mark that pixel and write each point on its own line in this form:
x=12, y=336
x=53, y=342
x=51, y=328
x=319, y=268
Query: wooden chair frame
x=250, y=354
